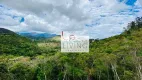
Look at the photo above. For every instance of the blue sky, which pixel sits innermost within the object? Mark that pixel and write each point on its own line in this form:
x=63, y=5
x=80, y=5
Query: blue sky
x=97, y=18
x=129, y=2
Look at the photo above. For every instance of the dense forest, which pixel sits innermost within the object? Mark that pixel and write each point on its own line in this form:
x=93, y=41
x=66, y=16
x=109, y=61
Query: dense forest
x=115, y=58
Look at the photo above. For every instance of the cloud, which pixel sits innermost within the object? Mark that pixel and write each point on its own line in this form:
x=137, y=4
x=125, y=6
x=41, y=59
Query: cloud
x=97, y=18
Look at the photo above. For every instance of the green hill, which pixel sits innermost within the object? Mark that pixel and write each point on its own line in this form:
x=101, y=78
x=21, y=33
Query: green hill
x=5, y=31
x=115, y=58
x=12, y=43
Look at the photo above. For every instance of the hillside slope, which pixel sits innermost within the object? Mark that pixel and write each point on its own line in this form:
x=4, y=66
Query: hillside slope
x=115, y=58
x=12, y=43
x=5, y=31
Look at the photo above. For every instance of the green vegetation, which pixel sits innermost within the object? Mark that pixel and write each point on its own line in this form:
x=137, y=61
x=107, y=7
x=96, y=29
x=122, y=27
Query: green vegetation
x=11, y=43
x=115, y=58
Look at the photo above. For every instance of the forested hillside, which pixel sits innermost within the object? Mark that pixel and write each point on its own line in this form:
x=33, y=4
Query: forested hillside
x=12, y=43
x=115, y=58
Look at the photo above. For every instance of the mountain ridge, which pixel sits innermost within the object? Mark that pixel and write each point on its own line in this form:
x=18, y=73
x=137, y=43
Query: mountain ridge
x=5, y=31
x=12, y=43
x=34, y=35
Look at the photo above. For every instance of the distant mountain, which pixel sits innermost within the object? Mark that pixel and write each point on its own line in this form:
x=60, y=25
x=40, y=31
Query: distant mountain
x=34, y=35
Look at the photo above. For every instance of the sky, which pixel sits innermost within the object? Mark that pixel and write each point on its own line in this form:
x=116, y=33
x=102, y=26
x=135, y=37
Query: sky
x=96, y=18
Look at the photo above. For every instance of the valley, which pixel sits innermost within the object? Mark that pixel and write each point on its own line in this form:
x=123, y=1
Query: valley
x=115, y=58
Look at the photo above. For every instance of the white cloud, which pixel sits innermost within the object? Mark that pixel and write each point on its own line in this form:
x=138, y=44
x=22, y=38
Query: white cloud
x=140, y=2
x=106, y=17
